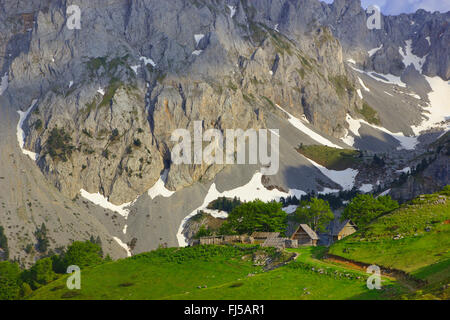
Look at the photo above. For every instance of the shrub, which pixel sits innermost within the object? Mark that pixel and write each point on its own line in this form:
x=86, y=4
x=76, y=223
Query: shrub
x=41, y=236
x=58, y=145
x=256, y=216
x=364, y=208
x=9, y=280
x=83, y=254
x=40, y=274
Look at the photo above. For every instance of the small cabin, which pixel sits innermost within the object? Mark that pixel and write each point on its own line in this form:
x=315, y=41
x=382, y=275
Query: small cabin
x=261, y=237
x=342, y=229
x=305, y=236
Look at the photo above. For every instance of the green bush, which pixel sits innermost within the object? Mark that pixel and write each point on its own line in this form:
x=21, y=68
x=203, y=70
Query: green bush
x=9, y=281
x=40, y=274
x=364, y=208
x=83, y=254
x=256, y=216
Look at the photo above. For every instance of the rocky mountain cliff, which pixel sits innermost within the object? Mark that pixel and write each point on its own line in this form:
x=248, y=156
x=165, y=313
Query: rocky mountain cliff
x=102, y=101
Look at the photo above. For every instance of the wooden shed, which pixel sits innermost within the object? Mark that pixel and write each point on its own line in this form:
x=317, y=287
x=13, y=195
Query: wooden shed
x=261, y=237
x=211, y=240
x=305, y=236
x=342, y=229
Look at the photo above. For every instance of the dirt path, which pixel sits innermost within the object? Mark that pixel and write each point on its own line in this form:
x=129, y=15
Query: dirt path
x=402, y=277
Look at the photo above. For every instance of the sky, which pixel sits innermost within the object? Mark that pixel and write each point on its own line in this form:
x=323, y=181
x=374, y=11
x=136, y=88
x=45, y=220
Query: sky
x=394, y=7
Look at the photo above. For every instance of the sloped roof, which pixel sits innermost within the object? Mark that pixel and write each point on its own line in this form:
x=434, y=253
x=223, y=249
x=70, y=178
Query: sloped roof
x=266, y=235
x=308, y=231
x=274, y=242
x=337, y=226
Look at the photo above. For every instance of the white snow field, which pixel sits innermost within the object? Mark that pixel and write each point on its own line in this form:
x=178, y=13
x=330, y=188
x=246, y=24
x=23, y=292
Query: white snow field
x=159, y=188
x=440, y=105
x=253, y=190
x=21, y=134
x=297, y=123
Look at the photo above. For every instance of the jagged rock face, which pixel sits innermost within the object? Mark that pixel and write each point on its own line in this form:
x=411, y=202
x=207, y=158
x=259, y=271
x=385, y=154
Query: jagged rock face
x=244, y=68
x=432, y=179
x=269, y=52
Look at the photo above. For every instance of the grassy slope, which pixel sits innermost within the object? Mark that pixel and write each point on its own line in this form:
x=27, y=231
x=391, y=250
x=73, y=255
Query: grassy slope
x=331, y=158
x=424, y=255
x=176, y=274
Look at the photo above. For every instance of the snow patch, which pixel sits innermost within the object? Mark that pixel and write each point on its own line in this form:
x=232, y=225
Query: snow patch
x=135, y=68
x=366, y=188
x=345, y=178
x=21, y=134
x=363, y=85
x=439, y=100
x=148, y=61
x=123, y=245
x=329, y=191
x=197, y=52
x=429, y=40
x=216, y=213
x=409, y=58
x=232, y=11
x=290, y=209
x=70, y=84
x=384, y=193
x=374, y=50
x=101, y=91
x=351, y=61
x=404, y=170
x=100, y=200
x=198, y=38
x=159, y=188
x=388, y=78
x=359, y=93
x=297, y=123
